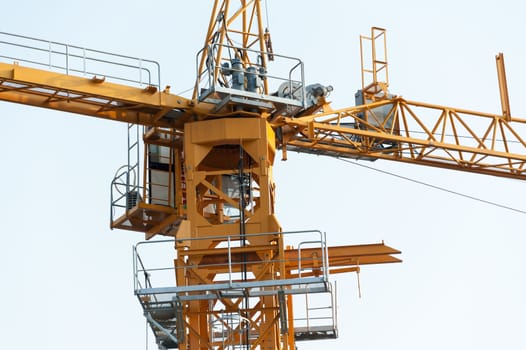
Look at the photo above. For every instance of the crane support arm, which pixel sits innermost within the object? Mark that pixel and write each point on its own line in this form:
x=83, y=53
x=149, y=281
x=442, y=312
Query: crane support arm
x=91, y=96
x=412, y=132
x=340, y=258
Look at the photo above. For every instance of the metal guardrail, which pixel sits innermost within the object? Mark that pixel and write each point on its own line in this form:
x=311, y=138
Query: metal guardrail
x=125, y=192
x=318, y=315
x=154, y=285
x=291, y=76
x=79, y=61
x=160, y=279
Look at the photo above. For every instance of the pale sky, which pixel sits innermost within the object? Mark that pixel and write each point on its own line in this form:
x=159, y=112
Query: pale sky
x=67, y=278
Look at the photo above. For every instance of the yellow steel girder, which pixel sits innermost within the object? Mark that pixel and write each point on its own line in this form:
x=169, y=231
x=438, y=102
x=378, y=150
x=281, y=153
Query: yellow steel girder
x=413, y=132
x=88, y=96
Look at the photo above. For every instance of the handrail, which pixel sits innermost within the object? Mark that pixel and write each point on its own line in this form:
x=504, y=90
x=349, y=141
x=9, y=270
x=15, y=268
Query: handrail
x=69, y=55
x=323, y=314
x=230, y=265
x=211, y=69
x=302, y=86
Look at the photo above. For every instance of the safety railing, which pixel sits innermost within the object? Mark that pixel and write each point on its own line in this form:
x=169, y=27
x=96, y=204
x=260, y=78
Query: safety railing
x=316, y=316
x=149, y=269
x=231, y=261
x=125, y=192
x=231, y=77
x=79, y=61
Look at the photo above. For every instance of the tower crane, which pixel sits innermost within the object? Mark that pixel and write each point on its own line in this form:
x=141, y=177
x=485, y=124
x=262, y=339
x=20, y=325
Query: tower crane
x=203, y=177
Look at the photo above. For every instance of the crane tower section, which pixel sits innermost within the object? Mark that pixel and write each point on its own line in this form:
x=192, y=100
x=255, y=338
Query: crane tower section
x=232, y=268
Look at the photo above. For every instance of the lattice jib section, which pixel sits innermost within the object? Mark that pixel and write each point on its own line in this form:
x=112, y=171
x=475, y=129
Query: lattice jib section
x=414, y=132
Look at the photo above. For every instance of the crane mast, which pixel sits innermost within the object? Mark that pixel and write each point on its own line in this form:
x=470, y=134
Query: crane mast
x=203, y=176
x=233, y=269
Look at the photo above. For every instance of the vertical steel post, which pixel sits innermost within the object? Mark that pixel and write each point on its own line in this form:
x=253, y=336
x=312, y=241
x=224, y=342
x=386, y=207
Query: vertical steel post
x=503, y=87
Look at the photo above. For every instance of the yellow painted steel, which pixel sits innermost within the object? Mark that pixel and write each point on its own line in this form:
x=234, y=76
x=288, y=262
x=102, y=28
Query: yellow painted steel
x=503, y=87
x=414, y=132
x=230, y=25
x=208, y=151
x=88, y=96
x=375, y=73
x=343, y=256
x=212, y=156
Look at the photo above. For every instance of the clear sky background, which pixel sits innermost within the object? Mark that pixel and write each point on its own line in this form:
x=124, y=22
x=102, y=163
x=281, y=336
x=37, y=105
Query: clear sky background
x=66, y=278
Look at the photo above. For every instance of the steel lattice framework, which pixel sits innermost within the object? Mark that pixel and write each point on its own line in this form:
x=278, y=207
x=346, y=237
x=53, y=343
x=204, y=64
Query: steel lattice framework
x=413, y=132
x=207, y=177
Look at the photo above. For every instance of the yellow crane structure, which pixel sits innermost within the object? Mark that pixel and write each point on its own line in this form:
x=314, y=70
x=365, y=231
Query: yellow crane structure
x=203, y=177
